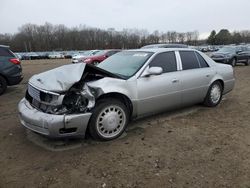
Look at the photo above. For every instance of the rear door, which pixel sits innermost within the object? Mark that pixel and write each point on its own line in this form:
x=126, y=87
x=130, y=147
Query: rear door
x=159, y=92
x=244, y=55
x=195, y=78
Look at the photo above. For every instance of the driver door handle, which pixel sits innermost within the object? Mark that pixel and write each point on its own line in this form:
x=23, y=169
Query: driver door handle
x=175, y=81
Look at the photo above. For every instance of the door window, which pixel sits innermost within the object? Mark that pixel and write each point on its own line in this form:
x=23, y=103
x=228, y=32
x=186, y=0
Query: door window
x=166, y=61
x=189, y=60
x=203, y=63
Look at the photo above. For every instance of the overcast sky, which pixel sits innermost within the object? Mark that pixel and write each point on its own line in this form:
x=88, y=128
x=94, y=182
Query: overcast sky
x=162, y=15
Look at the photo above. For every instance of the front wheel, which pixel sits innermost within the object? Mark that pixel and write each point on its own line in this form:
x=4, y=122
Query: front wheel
x=214, y=95
x=109, y=119
x=233, y=62
x=248, y=62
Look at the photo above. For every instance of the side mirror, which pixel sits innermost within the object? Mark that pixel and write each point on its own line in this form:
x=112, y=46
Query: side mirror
x=239, y=51
x=153, y=71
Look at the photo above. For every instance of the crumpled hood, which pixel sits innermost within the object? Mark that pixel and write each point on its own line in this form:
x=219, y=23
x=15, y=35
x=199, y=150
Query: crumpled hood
x=58, y=79
x=63, y=78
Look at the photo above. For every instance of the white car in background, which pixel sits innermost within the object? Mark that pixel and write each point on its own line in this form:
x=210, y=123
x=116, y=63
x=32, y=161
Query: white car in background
x=56, y=55
x=77, y=57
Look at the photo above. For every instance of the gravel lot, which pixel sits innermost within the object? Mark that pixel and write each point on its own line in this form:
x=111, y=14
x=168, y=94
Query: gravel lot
x=194, y=147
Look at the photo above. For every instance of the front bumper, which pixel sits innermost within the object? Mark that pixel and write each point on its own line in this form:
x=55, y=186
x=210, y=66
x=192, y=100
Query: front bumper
x=54, y=126
x=222, y=60
x=15, y=80
x=75, y=61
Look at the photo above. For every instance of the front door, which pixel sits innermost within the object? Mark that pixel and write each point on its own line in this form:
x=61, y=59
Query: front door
x=159, y=92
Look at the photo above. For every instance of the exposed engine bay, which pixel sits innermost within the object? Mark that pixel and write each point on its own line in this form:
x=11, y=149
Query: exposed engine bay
x=79, y=98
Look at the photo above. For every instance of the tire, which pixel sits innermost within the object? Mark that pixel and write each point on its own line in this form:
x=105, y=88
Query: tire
x=109, y=119
x=248, y=62
x=3, y=85
x=214, y=95
x=233, y=62
x=95, y=63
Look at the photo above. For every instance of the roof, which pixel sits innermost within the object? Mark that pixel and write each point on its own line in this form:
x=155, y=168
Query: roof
x=165, y=45
x=4, y=46
x=156, y=50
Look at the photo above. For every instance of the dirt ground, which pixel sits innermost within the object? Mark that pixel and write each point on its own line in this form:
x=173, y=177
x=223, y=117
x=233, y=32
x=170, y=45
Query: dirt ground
x=195, y=147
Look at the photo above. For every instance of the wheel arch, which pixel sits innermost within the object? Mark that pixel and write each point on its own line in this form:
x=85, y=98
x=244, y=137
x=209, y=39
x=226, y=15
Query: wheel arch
x=7, y=81
x=121, y=97
x=221, y=82
x=219, y=79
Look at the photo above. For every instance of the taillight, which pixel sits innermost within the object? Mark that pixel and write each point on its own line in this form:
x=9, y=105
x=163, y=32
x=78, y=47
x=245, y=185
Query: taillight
x=15, y=61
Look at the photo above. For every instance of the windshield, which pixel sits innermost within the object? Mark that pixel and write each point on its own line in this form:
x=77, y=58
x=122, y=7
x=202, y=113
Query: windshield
x=228, y=49
x=125, y=64
x=90, y=52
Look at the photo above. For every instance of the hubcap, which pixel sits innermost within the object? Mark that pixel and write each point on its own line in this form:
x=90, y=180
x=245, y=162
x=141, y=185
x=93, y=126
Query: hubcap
x=111, y=121
x=215, y=93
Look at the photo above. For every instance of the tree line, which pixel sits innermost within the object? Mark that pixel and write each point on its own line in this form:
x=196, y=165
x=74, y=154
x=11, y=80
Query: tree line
x=224, y=37
x=48, y=37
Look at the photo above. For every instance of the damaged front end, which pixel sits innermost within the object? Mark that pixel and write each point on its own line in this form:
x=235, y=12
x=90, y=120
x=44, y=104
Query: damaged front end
x=74, y=101
x=58, y=103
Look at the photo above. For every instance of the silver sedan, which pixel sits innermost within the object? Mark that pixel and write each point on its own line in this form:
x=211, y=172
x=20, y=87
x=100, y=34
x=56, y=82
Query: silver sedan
x=68, y=100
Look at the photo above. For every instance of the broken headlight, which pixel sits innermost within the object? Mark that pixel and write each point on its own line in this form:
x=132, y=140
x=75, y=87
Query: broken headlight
x=79, y=101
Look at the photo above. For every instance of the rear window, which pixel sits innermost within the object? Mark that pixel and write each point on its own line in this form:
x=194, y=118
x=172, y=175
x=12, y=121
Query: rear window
x=189, y=60
x=4, y=52
x=202, y=61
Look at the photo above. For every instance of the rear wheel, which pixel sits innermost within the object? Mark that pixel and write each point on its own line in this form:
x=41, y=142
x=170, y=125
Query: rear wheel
x=109, y=119
x=3, y=85
x=214, y=95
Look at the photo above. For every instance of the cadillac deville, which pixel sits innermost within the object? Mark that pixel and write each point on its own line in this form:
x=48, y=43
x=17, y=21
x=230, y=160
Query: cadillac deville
x=73, y=99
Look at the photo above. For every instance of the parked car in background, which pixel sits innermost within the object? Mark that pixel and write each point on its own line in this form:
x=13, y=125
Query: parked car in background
x=30, y=56
x=128, y=85
x=43, y=55
x=68, y=54
x=243, y=55
x=165, y=46
x=78, y=57
x=55, y=55
x=99, y=57
x=18, y=56
x=227, y=55
x=204, y=48
x=10, y=69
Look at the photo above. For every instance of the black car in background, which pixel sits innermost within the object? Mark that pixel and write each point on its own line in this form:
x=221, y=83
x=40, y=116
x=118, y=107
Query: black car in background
x=243, y=56
x=231, y=55
x=30, y=56
x=10, y=69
